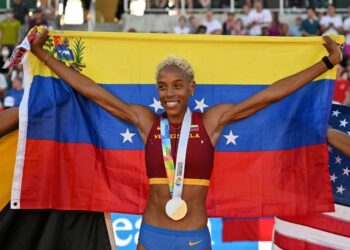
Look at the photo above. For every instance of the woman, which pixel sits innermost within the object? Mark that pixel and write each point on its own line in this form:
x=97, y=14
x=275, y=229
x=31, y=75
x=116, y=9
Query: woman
x=277, y=28
x=167, y=224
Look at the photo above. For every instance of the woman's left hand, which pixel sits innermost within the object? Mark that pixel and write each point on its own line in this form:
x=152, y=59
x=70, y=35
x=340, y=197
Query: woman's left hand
x=335, y=54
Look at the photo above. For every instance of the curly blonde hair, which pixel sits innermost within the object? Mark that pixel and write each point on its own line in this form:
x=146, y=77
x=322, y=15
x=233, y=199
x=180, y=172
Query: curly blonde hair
x=179, y=62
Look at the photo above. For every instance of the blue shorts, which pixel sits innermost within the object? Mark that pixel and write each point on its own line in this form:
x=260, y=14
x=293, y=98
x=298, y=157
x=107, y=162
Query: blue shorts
x=156, y=238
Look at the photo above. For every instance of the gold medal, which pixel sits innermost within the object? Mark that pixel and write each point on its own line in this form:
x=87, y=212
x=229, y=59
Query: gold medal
x=176, y=208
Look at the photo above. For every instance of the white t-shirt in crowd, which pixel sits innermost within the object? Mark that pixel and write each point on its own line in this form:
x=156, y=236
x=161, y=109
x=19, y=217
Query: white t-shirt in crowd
x=346, y=27
x=245, y=20
x=179, y=30
x=213, y=25
x=336, y=20
x=262, y=19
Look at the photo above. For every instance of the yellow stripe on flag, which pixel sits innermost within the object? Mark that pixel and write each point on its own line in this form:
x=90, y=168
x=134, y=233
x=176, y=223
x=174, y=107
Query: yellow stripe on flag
x=8, y=146
x=278, y=56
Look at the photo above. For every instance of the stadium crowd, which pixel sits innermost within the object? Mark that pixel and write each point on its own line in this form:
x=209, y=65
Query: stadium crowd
x=253, y=19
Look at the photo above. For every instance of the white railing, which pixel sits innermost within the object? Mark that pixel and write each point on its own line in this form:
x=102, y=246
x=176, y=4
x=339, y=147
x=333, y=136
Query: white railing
x=283, y=7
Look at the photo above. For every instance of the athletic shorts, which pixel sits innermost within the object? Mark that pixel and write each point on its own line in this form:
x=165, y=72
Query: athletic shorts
x=156, y=238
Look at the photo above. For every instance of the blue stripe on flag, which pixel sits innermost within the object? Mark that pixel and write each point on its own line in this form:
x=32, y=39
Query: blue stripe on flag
x=282, y=125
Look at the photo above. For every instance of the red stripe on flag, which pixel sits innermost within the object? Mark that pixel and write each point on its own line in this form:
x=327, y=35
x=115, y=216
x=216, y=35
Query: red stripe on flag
x=288, y=181
x=79, y=176
x=287, y=243
x=322, y=222
x=259, y=229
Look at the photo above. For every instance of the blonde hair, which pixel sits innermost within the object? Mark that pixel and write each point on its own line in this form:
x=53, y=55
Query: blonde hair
x=179, y=62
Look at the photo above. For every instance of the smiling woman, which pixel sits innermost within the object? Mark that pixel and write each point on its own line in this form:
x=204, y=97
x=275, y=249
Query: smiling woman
x=179, y=144
x=175, y=85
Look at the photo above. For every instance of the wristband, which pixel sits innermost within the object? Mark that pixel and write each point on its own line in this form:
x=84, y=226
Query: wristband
x=327, y=62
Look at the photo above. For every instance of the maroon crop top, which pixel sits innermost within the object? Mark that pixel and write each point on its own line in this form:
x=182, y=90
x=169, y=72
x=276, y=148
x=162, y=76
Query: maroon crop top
x=199, y=156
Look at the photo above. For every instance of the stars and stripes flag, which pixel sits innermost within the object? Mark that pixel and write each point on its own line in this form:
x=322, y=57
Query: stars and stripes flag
x=327, y=230
x=73, y=155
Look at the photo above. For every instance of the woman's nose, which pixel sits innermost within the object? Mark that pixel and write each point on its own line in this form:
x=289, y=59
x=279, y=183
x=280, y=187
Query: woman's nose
x=170, y=92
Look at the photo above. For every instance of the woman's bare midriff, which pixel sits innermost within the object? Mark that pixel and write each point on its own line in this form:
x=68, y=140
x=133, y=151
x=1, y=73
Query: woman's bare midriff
x=196, y=217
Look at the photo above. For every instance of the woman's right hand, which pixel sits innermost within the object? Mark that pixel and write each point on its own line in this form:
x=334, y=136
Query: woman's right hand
x=39, y=40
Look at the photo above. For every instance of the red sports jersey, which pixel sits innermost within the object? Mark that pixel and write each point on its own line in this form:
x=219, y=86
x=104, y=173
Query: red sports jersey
x=199, y=156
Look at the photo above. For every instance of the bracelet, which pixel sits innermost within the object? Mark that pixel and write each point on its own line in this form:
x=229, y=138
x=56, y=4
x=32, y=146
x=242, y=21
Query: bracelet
x=328, y=63
x=48, y=55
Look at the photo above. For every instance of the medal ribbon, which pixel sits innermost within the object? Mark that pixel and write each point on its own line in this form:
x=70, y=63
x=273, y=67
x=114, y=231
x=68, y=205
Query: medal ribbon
x=175, y=175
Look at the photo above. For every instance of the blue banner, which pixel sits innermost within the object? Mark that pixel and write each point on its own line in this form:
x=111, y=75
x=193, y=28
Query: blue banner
x=126, y=231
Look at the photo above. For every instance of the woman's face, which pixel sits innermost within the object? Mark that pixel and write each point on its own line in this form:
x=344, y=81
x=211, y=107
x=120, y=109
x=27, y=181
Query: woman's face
x=174, y=90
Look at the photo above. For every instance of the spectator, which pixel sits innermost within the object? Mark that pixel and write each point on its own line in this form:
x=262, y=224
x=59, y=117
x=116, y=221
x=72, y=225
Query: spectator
x=16, y=72
x=331, y=23
x=258, y=18
x=213, y=25
x=201, y=29
x=341, y=88
x=310, y=26
x=20, y=11
x=232, y=26
x=5, y=54
x=9, y=31
x=49, y=11
x=346, y=28
x=193, y=24
x=294, y=29
x=14, y=95
x=38, y=19
x=276, y=28
x=241, y=25
x=245, y=17
x=181, y=28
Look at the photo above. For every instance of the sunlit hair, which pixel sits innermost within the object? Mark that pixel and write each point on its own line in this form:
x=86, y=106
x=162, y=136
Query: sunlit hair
x=178, y=62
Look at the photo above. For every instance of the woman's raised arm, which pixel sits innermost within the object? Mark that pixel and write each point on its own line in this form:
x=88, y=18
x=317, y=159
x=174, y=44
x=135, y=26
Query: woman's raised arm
x=219, y=116
x=138, y=115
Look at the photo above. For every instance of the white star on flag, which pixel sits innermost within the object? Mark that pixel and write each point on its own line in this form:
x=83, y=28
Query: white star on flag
x=348, y=132
x=333, y=177
x=338, y=160
x=346, y=171
x=127, y=136
x=330, y=148
x=231, y=138
x=156, y=105
x=343, y=123
x=335, y=113
x=340, y=189
x=200, y=105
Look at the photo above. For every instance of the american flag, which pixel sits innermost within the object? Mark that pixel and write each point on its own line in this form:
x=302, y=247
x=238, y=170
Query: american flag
x=328, y=230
